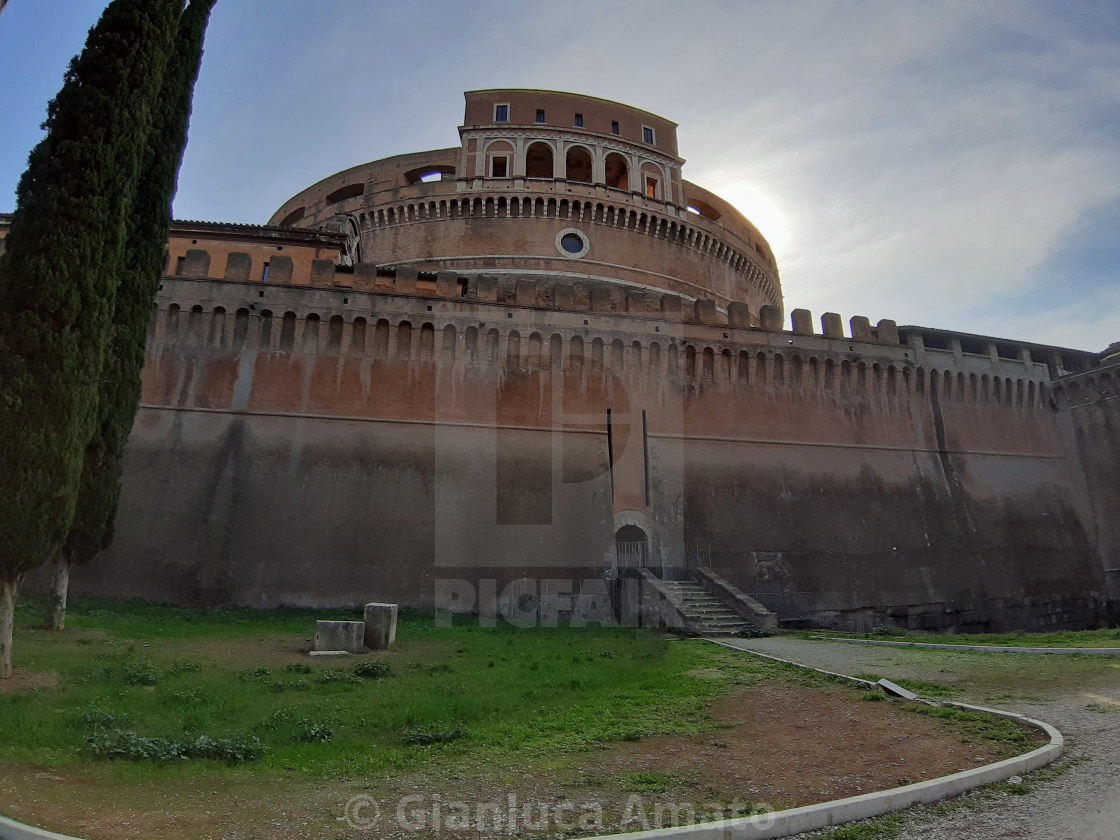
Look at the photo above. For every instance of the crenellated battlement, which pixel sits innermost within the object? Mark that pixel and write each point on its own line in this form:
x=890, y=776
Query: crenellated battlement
x=445, y=319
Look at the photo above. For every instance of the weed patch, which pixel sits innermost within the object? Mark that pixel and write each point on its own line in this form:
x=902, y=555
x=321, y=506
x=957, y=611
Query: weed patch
x=1009, y=735
x=647, y=781
x=130, y=673
x=373, y=670
x=433, y=735
x=128, y=746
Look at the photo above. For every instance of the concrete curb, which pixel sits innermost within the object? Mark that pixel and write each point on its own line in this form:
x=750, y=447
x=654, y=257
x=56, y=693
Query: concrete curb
x=981, y=648
x=12, y=830
x=796, y=820
x=839, y=811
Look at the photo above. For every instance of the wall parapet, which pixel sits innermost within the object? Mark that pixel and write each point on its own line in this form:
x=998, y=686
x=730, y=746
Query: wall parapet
x=559, y=294
x=406, y=322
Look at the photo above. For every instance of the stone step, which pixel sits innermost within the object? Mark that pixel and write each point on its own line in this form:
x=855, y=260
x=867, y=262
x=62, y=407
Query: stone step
x=703, y=612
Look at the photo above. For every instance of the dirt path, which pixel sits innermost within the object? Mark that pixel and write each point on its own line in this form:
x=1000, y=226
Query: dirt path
x=1079, y=695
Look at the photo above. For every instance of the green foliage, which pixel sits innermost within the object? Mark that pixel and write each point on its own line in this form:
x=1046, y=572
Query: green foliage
x=101, y=716
x=142, y=264
x=881, y=828
x=424, y=736
x=1012, y=738
x=754, y=633
x=534, y=704
x=61, y=268
x=1062, y=638
x=185, y=666
x=128, y=746
x=131, y=673
x=373, y=670
x=925, y=688
x=338, y=676
x=315, y=733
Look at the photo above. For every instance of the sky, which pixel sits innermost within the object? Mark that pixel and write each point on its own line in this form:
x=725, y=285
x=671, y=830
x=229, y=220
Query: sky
x=946, y=164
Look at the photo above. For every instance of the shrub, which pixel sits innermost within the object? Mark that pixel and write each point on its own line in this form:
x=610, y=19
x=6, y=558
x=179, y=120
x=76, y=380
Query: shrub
x=754, y=633
x=431, y=735
x=372, y=670
x=338, y=676
x=128, y=746
x=131, y=673
x=96, y=716
x=888, y=630
x=278, y=686
x=315, y=733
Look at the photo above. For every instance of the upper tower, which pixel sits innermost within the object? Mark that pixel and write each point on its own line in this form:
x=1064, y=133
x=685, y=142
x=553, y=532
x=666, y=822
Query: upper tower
x=554, y=184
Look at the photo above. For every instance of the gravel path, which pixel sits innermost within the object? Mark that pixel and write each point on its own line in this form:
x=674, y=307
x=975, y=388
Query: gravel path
x=1080, y=697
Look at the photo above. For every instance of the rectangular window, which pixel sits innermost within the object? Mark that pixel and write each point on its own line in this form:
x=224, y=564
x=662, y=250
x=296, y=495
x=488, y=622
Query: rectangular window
x=179, y=263
x=264, y=273
x=614, y=126
x=501, y=113
x=647, y=135
x=651, y=187
x=499, y=166
x=540, y=115
x=579, y=120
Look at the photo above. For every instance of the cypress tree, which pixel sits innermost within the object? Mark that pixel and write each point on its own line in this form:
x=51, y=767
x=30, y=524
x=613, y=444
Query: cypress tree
x=145, y=254
x=59, y=276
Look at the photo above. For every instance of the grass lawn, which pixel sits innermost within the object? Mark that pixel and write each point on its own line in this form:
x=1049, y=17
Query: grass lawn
x=127, y=669
x=214, y=721
x=1064, y=638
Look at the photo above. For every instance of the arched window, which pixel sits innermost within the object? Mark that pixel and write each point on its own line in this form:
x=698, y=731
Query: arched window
x=538, y=161
x=499, y=159
x=358, y=337
x=617, y=172
x=653, y=181
x=578, y=166
x=334, y=334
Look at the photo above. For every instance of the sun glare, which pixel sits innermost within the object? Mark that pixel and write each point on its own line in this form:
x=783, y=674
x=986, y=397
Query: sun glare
x=763, y=212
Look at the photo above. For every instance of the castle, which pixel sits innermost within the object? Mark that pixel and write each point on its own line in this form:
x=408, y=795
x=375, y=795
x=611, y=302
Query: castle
x=541, y=360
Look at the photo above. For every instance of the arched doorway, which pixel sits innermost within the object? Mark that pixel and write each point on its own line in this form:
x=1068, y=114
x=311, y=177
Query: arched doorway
x=631, y=547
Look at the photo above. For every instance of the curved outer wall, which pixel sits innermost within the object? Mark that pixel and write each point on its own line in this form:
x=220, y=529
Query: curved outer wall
x=397, y=431
x=476, y=216
x=404, y=389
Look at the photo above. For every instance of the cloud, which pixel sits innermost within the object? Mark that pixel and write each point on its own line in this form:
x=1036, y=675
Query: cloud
x=923, y=162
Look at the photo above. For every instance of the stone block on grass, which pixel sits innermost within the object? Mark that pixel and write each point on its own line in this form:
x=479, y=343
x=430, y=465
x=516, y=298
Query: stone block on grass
x=380, y=626
x=340, y=635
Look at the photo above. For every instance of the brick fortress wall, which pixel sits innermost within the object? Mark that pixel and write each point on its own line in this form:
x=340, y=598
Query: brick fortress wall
x=337, y=436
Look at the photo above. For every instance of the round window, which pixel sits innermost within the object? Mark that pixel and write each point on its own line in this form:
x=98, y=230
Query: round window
x=572, y=243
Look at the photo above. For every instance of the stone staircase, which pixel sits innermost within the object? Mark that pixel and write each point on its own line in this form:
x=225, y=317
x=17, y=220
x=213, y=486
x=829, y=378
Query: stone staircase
x=703, y=613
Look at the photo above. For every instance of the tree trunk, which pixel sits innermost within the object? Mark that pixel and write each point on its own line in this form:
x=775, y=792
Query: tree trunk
x=7, y=624
x=60, y=585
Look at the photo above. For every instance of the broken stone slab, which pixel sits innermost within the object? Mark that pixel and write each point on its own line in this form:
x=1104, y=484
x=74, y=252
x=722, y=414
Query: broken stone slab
x=346, y=636
x=897, y=690
x=380, y=626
